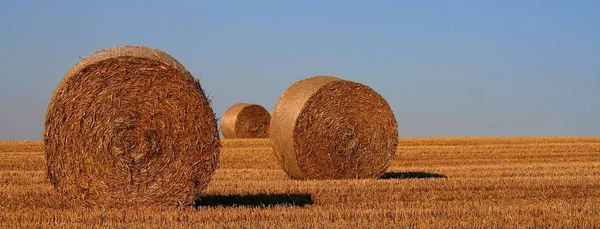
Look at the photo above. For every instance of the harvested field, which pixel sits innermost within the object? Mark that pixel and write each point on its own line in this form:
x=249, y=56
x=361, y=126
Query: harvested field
x=432, y=182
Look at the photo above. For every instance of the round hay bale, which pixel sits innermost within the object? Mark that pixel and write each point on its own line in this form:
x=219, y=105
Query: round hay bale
x=324, y=127
x=130, y=125
x=245, y=120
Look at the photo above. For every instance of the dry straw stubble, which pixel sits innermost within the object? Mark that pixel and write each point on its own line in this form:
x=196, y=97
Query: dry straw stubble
x=130, y=125
x=324, y=127
x=244, y=120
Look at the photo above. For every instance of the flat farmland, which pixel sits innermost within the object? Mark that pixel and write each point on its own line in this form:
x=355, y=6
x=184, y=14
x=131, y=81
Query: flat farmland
x=431, y=183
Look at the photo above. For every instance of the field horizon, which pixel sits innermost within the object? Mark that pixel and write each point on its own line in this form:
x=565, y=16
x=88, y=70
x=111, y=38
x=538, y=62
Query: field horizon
x=433, y=182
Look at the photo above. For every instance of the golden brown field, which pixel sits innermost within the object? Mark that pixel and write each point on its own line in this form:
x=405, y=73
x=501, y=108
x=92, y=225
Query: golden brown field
x=433, y=182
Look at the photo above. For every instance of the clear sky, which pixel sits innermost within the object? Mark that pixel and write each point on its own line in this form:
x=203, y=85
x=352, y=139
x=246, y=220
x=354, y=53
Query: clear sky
x=447, y=68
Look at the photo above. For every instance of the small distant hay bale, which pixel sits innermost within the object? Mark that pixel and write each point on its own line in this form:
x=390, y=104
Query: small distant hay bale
x=245, y=120
x=324, y=127
x=130, y=126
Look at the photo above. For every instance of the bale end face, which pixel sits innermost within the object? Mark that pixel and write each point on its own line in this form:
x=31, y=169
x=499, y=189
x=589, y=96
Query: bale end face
x=130, y=125
x=328, y=128
x=244, y=120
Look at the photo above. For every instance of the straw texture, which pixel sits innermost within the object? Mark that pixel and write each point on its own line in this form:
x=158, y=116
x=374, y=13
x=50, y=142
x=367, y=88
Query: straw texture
x=324, y=127
x=130, y=125
x=244, y=120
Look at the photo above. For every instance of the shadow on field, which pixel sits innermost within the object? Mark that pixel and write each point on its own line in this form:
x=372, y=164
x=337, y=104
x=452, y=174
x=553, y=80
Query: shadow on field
x=260, y=200
x=410, y=175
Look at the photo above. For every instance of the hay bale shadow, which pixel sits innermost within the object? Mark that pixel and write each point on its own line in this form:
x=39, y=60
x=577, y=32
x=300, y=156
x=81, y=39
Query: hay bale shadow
x=410, y=175
x=258, y=201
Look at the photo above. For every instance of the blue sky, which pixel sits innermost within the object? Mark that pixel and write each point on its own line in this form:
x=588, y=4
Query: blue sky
x=447, y=68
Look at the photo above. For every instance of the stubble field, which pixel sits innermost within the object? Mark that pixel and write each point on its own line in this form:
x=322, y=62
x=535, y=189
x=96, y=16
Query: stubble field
x=432, y=182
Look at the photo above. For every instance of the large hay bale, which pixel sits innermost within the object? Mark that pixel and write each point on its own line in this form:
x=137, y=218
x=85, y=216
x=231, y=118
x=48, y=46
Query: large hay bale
x=130, y=125
x=328, y=128
x=245, y=120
